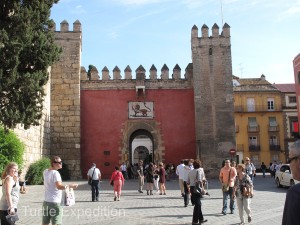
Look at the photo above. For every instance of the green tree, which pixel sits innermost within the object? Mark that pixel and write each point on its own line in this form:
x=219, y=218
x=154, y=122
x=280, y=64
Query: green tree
x=11, y=149
x=27, y=49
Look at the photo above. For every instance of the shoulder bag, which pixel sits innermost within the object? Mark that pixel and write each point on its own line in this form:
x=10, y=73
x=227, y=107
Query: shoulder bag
x=198, y=187
x=91, y=178
x=112, y=181
x=225, y=188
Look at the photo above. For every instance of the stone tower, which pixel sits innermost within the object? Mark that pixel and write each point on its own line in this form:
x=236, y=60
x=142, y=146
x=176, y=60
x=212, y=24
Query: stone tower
x=65, y=98
x=213, y=96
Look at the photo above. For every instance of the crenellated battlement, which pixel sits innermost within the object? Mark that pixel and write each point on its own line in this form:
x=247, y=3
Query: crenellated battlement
x=64, y=27
x=140, y=74
x=215, y=38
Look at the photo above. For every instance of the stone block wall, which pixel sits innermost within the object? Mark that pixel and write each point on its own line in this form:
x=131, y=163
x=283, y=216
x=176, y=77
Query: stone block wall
x=212, y=80
x=65, y=98
x=37, y=138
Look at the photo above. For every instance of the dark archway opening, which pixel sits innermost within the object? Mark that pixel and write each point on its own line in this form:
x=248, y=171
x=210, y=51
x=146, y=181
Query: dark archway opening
x=141, y=146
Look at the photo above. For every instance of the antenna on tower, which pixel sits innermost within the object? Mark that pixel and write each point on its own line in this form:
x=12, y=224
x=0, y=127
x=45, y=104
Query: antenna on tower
x=222, y=12
x=241, y=69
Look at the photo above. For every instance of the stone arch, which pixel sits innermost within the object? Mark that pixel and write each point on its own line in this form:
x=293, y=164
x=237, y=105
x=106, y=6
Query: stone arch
x=136, y=134
x=151, y=129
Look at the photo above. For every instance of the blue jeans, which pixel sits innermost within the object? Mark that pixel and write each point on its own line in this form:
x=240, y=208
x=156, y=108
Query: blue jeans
x=186, y=193
x=225, y=197
x=95, y=190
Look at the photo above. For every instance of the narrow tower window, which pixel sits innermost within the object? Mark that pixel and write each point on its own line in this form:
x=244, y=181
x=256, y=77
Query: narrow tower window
x=210, y=51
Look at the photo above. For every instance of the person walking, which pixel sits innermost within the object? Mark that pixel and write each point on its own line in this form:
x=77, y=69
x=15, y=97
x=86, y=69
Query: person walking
x=118, y=182
x=263, y=168
x=10, y=192
x=156, y=178
x=149, y=175
x=124, y=170
x=179, y=169
x=291, y=213
x=185, y=175
x=243, y=191
x=52, y=209
x=250, y=168
x=162, y=180
x=227, y=177
x=94, y=174
x=140, y=173
x=196, y=175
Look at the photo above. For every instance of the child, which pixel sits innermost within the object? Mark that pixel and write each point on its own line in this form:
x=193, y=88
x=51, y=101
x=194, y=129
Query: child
x=22, y=183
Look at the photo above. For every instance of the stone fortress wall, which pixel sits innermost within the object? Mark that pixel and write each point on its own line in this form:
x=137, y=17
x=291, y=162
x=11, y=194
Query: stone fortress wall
x=209, y=75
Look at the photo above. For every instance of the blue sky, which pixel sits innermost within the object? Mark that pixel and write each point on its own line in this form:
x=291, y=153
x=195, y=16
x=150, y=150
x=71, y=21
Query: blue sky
x=264, y=33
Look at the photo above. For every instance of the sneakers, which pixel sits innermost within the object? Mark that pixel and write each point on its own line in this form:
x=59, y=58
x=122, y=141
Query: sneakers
x=249, y=219
x=140, y=191
x=224, y=213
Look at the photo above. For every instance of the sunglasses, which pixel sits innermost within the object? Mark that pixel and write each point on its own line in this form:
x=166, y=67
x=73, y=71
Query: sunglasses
x=58, y=162
x=291, y=159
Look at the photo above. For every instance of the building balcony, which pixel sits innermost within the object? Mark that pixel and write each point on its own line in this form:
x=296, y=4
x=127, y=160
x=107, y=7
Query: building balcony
x=254, y=148
x=253, y=128
x=274, y=147
x=273, y=128
x=256, y=108
x=239, y=147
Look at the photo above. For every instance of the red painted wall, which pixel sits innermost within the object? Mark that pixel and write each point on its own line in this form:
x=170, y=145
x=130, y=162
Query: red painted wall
x=104, y=112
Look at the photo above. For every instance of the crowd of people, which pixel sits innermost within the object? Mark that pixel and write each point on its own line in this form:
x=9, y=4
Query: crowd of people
x=236, y=183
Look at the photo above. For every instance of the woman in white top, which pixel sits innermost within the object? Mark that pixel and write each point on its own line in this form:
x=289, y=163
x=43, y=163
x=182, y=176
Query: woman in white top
x=10, y=192
x=196, y=175
x=52, y=210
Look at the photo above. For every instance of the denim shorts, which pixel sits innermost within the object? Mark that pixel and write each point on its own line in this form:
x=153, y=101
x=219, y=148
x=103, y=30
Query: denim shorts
x=52, y=212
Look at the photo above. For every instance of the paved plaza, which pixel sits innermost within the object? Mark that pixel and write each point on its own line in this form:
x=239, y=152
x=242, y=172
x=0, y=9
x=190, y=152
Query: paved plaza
x=140, y=209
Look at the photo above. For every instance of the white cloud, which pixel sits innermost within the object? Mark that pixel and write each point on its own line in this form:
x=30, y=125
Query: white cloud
x=113, y=35
x=78, y=10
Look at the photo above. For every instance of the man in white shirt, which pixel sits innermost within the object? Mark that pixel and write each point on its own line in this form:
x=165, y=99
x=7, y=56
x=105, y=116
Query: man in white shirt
x=179, y=170
x=95, y=174
x=124, y=170
x=185, y=175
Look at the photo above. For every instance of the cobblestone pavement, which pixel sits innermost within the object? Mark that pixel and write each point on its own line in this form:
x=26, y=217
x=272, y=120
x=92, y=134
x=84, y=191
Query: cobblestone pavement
x=139, y=209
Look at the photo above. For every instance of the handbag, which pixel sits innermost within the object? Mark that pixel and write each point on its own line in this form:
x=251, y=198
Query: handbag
x=198, y=190
x=12, y=218
x=225, y=188
x=69, y=197
x=112, y=181
x=245, y=191
x=91, y=178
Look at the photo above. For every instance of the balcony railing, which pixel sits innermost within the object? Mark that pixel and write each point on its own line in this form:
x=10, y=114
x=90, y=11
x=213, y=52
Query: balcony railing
x=253, y=128
x=256, y=108
x=275, y=147
x=254, y=148
x=273, y=128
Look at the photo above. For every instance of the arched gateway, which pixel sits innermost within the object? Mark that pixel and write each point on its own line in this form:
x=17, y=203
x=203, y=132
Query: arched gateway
x=142, y=140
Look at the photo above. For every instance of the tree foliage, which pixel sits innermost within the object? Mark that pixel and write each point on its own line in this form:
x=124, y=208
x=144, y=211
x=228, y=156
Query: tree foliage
x=27, y=49
x=11, y=149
